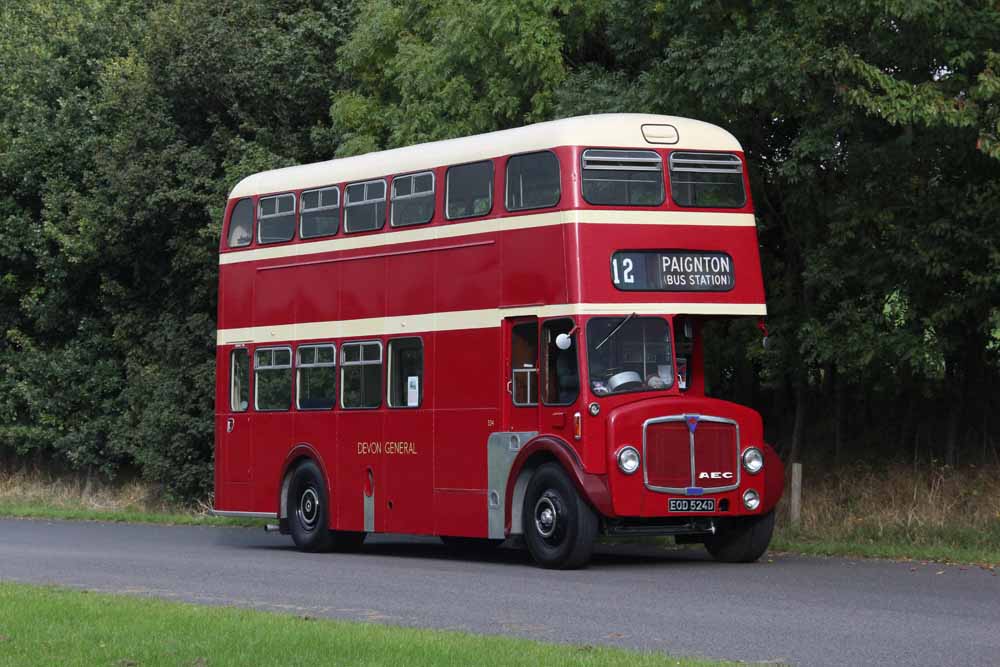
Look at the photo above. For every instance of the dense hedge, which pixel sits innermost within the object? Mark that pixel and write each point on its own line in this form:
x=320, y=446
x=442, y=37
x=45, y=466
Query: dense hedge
x=871, y=129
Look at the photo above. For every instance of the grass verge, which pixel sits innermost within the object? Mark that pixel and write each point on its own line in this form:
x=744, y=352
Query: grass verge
x=42, y=496
x=938, y=513
x=52, y=626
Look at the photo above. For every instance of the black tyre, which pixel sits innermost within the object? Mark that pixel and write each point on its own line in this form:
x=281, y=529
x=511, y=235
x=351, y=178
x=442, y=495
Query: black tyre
x=742, y=540
x=309, y=513
x=559, y=525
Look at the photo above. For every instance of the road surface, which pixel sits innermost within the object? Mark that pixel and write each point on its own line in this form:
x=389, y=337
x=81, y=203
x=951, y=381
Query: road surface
x=782, y=610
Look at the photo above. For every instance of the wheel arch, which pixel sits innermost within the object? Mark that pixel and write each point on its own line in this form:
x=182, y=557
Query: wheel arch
x=301, y=452
x=545, y=449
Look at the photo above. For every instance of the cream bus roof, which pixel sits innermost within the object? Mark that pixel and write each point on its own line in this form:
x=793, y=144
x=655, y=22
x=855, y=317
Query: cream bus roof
x=618, y=130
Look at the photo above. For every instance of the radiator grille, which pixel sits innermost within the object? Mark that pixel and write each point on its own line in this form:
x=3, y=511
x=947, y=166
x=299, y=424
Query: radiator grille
x=685, y=451
x=668, y=455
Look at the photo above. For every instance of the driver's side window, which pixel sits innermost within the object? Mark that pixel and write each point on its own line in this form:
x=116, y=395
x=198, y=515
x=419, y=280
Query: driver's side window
x=560, y=373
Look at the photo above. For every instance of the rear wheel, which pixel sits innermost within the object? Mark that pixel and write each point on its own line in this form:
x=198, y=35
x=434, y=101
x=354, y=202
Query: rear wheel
x=741, y=540
x=559, y=525
x=309, y=513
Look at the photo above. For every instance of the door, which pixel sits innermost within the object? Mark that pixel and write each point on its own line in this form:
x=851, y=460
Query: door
x=234, y=433
x=520, y=401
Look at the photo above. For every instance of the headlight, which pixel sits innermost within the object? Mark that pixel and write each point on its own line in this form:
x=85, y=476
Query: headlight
x=753, y=460
x=751, y=500
x=628, y=459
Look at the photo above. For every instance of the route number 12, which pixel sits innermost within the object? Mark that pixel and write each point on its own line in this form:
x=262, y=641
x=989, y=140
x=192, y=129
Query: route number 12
x=626, y=273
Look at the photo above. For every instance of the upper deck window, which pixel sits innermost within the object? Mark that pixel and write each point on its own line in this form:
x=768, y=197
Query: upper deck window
x=241, y=224
x=469, y=190
x=320, y=212
x=276, y=218
x=532, y=181
x=713, y=180
x=412, y=199
x=364, y=206
x=622, y=178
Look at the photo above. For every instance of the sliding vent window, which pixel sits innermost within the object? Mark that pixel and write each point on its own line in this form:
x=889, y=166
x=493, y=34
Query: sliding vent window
x=273, y=378
x=276, y=218
x=241, y=224
x=412, y=199
x=710, y=180
x=364, y=206
x=622, y=178
x=470, y=190
x=406, y=372
x=532, y=181
x=317, y=377
x=361, y=375
x=320, y=213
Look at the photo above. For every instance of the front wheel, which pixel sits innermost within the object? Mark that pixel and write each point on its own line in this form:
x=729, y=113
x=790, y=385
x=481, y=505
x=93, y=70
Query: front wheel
x=559, y=525
x=741, y=540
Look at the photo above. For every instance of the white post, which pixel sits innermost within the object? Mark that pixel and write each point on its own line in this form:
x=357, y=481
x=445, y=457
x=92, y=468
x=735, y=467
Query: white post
x=796, y=508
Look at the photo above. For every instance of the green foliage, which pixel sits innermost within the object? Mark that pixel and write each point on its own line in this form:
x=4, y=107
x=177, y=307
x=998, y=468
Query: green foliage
x=122, y=127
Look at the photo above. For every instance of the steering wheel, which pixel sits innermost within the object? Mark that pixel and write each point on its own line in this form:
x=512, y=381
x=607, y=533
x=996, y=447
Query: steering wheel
x=626, y=380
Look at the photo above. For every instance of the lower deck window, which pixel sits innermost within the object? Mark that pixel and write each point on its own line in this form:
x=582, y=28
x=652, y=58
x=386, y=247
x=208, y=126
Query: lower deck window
x=361, y=375
x=406, y=372
x=316, y=380
x=239, y=387
x=273, y=378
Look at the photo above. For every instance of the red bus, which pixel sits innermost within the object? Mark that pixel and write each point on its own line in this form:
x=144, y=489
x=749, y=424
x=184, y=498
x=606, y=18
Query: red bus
x=493, y=337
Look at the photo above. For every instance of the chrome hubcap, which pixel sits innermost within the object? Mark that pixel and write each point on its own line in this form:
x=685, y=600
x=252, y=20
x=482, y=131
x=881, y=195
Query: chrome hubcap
x=308, y=508
x=546, y=516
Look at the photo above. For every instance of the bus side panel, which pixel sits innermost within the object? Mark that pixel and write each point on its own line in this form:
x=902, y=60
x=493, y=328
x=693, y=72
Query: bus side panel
x=461, y=513
x=362, y=448
x=317, y=293
x=318, y=428
x=533, y=266
x=362, y=288
x=410, y=288
x=466, y=393
x=271, y=443
x=466, y=278
x=409, y=458
x=410, y=461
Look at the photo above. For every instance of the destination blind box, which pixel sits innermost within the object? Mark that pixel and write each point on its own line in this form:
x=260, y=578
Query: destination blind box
x=672, y=271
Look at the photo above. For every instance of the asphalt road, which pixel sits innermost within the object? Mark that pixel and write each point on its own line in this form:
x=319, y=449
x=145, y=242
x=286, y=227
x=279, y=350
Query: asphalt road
x=783, y=610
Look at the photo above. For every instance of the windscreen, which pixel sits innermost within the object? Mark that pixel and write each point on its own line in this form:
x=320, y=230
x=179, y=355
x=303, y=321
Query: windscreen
x=629, y=353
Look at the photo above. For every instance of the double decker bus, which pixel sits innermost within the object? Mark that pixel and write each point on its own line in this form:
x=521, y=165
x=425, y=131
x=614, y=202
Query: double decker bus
x=493, y=337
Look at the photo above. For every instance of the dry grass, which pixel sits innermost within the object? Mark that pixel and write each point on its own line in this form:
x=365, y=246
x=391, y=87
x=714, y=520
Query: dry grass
x=38, y=494
x=70, y=492
x=935, y=512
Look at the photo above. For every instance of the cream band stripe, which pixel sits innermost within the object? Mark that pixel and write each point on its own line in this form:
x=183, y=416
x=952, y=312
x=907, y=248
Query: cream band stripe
x=465, y=319
x=492, y=225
